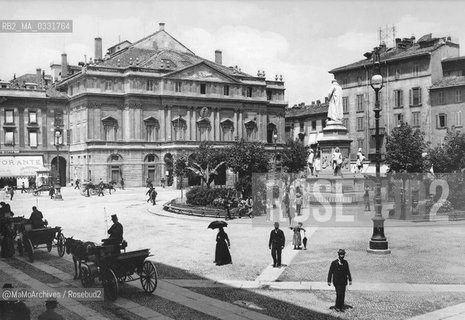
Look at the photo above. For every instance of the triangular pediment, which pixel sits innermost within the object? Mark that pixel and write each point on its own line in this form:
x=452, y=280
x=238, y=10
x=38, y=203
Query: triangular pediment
x=201, y=72
x=161, y=40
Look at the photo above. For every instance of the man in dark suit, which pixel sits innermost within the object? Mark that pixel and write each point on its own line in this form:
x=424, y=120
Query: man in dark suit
x=339, y=273
x=276, y=244
x=115, y=231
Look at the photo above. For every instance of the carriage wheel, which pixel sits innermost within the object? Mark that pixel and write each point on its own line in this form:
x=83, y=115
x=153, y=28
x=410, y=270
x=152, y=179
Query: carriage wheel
x=49, y=247
x=149, y=277
x=20, y=248
x=110, y=285
x=86, y=279
x=93, y=192
x=61, y=244
x=29, y=249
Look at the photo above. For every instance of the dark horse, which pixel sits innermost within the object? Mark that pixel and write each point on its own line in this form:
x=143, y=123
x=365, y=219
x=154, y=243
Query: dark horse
x=110, y=186
x=80, y=252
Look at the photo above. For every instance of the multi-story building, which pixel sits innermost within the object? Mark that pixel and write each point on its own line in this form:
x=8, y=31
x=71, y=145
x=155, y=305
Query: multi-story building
x=29, y=108
x=448, y=99
x=409, y=70
x=306, y=122
x=133, y=112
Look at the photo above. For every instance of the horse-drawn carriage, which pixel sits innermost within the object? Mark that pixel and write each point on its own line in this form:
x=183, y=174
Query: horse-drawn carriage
x=90, y=189
x=30, y=239
x=112, y=267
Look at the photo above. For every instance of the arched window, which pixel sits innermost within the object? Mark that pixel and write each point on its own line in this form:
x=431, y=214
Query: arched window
x=270, y=129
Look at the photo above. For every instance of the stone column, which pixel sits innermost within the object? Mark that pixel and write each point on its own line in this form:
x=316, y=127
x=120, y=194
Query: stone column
x=169, y=129
x=161, y=119
x=188, y=123
x=240, y=124
x=126, y=123
x=236, y=130
x=194, y=124
x=212, y=125
x=217, y=125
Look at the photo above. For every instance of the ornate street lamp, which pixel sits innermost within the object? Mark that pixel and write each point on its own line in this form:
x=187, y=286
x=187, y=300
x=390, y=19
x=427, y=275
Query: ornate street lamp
x=58, y=144
x=378, y=242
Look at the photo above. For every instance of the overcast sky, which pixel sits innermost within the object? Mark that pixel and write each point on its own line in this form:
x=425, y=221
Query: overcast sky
x=302, y=40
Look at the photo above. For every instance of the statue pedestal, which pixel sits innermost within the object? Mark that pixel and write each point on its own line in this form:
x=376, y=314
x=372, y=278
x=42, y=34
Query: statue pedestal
x=335, y=135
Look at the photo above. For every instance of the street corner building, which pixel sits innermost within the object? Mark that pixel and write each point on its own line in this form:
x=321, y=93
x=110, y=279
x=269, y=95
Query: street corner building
x=29, y=108
x=133, y=111
x=423, y=85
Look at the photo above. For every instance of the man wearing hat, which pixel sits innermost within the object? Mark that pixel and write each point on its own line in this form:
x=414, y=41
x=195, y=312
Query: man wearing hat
x=50, y=313
x=339, y=273
x=116, y=230
x=276, y=244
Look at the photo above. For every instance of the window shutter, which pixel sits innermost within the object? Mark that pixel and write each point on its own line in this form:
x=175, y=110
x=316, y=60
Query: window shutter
x=437, y=121
x=419, y=96
x=410, y=97
x=445, y=120
x=401, y=98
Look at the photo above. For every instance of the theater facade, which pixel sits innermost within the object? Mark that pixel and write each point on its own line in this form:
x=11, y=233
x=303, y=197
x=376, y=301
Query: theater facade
x=133, y=112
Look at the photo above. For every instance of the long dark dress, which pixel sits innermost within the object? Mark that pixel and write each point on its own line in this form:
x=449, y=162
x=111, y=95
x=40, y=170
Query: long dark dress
x=8, y=249
x=222, y=255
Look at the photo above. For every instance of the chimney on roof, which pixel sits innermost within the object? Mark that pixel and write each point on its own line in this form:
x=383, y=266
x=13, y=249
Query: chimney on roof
x=326, y=99
x=64, y=65
x=218, y=57
x=162, y=26
x=318, y=102
x=38, y=76
x=98, y=49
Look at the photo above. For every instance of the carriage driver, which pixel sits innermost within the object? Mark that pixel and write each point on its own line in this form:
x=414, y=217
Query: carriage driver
x=115, y=231
x=36, y=219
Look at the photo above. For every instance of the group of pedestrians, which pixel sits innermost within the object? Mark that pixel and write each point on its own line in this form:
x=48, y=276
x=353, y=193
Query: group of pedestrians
x=338, y=274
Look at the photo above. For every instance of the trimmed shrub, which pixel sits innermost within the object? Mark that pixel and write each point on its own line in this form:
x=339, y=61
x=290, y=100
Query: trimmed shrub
x=446, y=206
x=202, y=196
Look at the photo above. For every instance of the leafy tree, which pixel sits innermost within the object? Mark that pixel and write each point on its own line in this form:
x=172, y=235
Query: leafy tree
x=206, y=161
x=450, y=156
x=404, y=149
x=295, y=156
x=246, y=158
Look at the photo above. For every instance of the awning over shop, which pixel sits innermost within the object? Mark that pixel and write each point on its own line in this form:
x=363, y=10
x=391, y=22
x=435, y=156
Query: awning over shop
x=20, y=166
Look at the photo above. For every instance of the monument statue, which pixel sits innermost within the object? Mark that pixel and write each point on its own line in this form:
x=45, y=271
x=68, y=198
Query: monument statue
x=335, y=102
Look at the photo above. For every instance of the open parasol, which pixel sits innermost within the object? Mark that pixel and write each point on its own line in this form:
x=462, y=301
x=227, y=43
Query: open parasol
x=217, y=224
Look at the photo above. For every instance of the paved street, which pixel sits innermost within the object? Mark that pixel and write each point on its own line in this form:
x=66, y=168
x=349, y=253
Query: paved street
x=192, y=287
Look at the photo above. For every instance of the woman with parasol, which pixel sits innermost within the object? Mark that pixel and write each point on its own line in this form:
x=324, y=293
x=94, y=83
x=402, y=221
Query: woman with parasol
x=222, y=255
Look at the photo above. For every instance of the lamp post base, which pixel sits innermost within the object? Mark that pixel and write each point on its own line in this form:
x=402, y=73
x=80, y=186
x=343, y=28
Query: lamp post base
x=378, y=242
x=379, y=251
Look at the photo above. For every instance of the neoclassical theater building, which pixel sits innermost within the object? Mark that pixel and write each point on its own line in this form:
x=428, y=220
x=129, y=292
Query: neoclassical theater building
x=132, y=112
